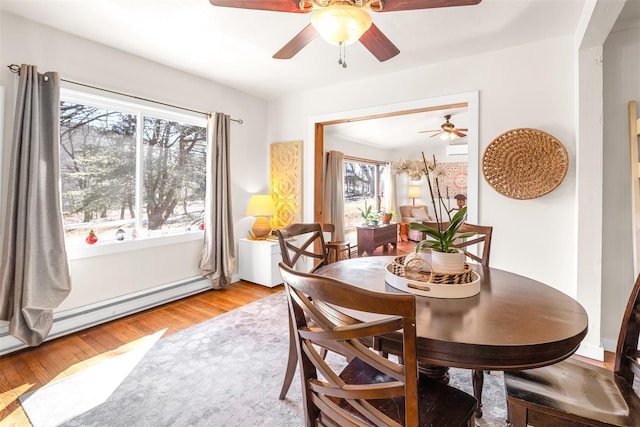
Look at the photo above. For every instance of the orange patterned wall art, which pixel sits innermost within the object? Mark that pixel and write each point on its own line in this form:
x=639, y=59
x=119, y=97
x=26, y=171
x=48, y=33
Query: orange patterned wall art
x=453, y=180
x=286, y=182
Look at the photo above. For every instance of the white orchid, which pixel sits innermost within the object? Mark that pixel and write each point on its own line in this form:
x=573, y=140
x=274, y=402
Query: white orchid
x=442, y=237
x=414, y=169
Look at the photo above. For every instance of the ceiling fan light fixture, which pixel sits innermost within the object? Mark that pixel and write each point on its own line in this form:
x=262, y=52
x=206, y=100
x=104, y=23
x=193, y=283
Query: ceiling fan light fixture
x=446, y=136
x=341, y=24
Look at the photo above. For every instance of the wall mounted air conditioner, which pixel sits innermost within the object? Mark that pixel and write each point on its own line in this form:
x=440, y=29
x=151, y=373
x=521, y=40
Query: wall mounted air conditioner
x=457, y=149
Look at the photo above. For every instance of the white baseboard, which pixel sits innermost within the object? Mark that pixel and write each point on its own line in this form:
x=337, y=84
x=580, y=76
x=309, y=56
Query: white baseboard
x=73, y=320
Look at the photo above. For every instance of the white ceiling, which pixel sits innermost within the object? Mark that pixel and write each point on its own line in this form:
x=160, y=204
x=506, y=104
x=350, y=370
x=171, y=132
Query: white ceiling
x=235, y=46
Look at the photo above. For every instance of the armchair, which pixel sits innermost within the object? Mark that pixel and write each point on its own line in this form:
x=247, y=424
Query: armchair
x=415, y=213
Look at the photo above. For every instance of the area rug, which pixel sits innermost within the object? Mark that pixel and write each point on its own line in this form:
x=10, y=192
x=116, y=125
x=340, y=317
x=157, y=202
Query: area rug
x=226, y=371
x=74, y=395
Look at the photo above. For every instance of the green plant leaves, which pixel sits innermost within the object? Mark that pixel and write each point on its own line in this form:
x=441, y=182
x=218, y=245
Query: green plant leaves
x=442, y=239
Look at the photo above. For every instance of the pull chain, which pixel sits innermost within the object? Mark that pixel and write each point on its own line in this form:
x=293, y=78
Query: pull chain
x=342, y=55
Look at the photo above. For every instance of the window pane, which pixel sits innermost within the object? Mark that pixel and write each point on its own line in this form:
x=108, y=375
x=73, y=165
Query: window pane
x=174, y=175
x=97, y=164
x=359, y=186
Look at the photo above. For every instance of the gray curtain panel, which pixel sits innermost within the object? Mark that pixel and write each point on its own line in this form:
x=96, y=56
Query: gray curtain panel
x=218, y=253
x=334, y=194
x=34, y=274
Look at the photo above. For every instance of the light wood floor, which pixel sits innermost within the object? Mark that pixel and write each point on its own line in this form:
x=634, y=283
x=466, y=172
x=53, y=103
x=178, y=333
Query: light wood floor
x=29, y=369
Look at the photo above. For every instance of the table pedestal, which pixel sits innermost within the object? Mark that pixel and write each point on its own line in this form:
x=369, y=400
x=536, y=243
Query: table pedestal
x=433, y=372
x=441, y=374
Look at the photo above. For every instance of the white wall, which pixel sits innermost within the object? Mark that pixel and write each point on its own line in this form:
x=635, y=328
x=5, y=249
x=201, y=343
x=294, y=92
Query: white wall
x=354, y=149
x=97, y=278
x=621, y=67
x=530, y=86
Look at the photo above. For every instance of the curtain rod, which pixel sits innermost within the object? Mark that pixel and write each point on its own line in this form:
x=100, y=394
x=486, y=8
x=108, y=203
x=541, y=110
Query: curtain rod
x=14, y=68
x=361, y=160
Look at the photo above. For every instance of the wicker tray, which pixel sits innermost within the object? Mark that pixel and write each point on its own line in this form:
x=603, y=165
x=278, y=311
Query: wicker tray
x=525, y=163
x=395, y=277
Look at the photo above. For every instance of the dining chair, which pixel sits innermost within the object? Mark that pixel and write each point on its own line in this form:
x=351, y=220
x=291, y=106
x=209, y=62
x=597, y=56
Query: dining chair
x=302, y=241
x=369, y=389
x=336, y=249
x=299, y=241
x=481, y=241
x=576, y=393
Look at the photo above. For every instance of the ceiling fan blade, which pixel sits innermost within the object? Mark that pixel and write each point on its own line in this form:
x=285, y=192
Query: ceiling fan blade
x=463, y=129
x=273, y=5
x=296, y=44
x=396, y=5
x=460, y=134
x=378, y=44
x=425, y=131
x=435, y=134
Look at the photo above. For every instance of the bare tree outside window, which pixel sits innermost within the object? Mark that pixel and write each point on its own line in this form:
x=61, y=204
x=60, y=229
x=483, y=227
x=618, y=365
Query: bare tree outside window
x=99, y=152
x=174, y=172
x=362, y=183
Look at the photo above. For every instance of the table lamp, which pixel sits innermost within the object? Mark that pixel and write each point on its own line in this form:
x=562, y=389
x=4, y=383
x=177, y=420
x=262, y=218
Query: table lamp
x=261, y=206
x=414, y=191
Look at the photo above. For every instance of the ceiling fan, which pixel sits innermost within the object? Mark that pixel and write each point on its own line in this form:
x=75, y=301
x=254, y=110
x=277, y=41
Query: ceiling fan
x=341, y=22
x=448, y=130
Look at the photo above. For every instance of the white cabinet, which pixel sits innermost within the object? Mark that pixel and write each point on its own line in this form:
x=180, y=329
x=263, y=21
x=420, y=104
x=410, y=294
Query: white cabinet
x=258, y=261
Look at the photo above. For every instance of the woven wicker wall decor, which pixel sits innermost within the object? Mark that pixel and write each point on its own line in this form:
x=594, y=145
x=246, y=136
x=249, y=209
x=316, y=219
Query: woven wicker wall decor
x=525, y=163
x=286, y=182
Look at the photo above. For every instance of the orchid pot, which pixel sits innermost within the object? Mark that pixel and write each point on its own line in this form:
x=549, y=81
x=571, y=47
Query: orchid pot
x=447, y=262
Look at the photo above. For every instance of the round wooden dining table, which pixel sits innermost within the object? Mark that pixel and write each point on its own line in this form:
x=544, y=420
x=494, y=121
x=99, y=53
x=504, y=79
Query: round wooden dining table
x=513, y=323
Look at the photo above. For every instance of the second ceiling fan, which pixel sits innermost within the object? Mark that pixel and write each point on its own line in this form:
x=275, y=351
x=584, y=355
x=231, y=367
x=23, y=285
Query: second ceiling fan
x=447, y=130
x=341, y=22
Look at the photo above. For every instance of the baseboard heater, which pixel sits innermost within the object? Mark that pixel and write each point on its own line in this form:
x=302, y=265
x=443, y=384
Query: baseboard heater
x=73, y=320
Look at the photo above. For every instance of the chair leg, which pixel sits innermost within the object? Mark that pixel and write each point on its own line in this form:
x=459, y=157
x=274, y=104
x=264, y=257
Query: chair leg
x=478, y=382
x=291, y=363
x=517, y=416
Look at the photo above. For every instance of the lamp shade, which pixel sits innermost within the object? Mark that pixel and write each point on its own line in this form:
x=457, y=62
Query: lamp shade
x=414, y=191
x=341, y=24
x=261, y=205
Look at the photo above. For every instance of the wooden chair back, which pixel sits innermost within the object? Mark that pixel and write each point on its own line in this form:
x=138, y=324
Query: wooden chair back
x=329, y=228
x=336, y=249
x=481, y=241
x=325, y=399
x=627, y=356
x=371, y=389
x=302, y=240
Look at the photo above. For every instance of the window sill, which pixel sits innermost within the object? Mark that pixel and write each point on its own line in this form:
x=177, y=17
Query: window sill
x=109, y=248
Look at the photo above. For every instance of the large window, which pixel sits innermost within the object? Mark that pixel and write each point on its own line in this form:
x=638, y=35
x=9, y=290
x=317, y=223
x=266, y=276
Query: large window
x=363, y=183
x=129, y=171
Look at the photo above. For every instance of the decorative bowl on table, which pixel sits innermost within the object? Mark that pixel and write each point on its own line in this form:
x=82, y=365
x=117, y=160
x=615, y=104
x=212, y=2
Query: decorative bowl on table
x=417, y=280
